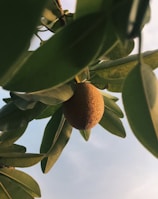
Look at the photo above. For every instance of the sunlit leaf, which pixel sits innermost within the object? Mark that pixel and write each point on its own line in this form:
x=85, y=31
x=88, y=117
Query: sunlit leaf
x=111, y=122
x=18, y=27
x=140, y=99
x=57, y=148
x=115, y=72
x=61, y=53
x=24, y=180
x=20, y=159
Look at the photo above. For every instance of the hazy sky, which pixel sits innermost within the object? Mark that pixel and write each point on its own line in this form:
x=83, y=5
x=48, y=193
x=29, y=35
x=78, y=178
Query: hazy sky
x=105, y=167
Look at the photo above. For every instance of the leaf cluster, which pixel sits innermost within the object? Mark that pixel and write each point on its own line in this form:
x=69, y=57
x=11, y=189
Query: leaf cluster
x=93, y=44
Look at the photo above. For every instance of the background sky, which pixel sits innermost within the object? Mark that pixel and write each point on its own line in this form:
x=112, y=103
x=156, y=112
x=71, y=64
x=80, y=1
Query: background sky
x=105, y=167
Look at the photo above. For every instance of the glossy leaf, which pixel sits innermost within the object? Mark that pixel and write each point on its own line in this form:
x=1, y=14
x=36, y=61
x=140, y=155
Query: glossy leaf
x=85, y=134
x=60, y=53
x=111, y=122
x=25, y=181
x=57, y=148
x=12, y=118
x=140, y=99
x=18, y=27
x=12, y=149
x=20, y=159
x=115, y=72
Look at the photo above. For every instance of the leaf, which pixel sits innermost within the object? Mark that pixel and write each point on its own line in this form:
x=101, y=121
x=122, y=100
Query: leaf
x=120, y=50
x=13, y=189
x=20, y=159
x=48, y=111
x=56, y=149
x=112, y=106
x=85, y=134
x=3, y=192
x=136, y=17
x=18, y=27
x=25, y=181
x=12, y=149
x=111, y=122
x=115, y=72
x=51, y=96
x=52, y=131
x=140, y=99
x=9, y=137
x=60, y=53
x=14, y=119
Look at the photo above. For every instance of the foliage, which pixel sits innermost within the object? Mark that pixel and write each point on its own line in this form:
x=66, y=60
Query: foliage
x=93, y=44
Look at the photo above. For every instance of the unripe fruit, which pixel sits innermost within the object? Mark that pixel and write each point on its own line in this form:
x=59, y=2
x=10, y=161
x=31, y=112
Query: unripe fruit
x=85, y=108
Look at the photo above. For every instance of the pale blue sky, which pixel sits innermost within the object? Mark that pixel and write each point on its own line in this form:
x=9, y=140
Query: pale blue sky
x=105, y=167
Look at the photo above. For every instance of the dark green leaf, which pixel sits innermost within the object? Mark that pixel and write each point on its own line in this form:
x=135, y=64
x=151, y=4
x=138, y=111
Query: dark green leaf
x=136, y=17
x=57, y=148
x=61, y=53
x=52, y=96
x=12, y=149
x=111, y=122
x=140, y=99
x=12, y=118
x=20, y=159
x=9, y=137
x=19, y=20
x=3, y=192
x=25, y=181
x=52, y=131
x=48, y=111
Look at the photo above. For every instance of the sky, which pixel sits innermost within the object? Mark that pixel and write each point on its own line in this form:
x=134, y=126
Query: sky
x=105, y=167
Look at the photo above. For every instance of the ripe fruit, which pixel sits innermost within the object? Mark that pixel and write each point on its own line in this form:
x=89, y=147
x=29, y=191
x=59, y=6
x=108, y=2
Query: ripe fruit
x=85, y=108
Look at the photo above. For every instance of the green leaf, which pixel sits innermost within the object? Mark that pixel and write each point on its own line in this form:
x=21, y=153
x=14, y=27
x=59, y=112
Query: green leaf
x=3, y=192
x=111, y=122
x=140, y=99
x=120, y=50
x=60, y=53
x=20, y=159
x=25, y=181
x=115, y=72
x=12, y=149
x=52, y=131
x=13, y=189
x=7, y=138
x=136, y=17
x=18, y=27
x=85, y=134
x=48, y=111
x=112, y=106
x=56, y=148
x=14, y=119
x=51, y=96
